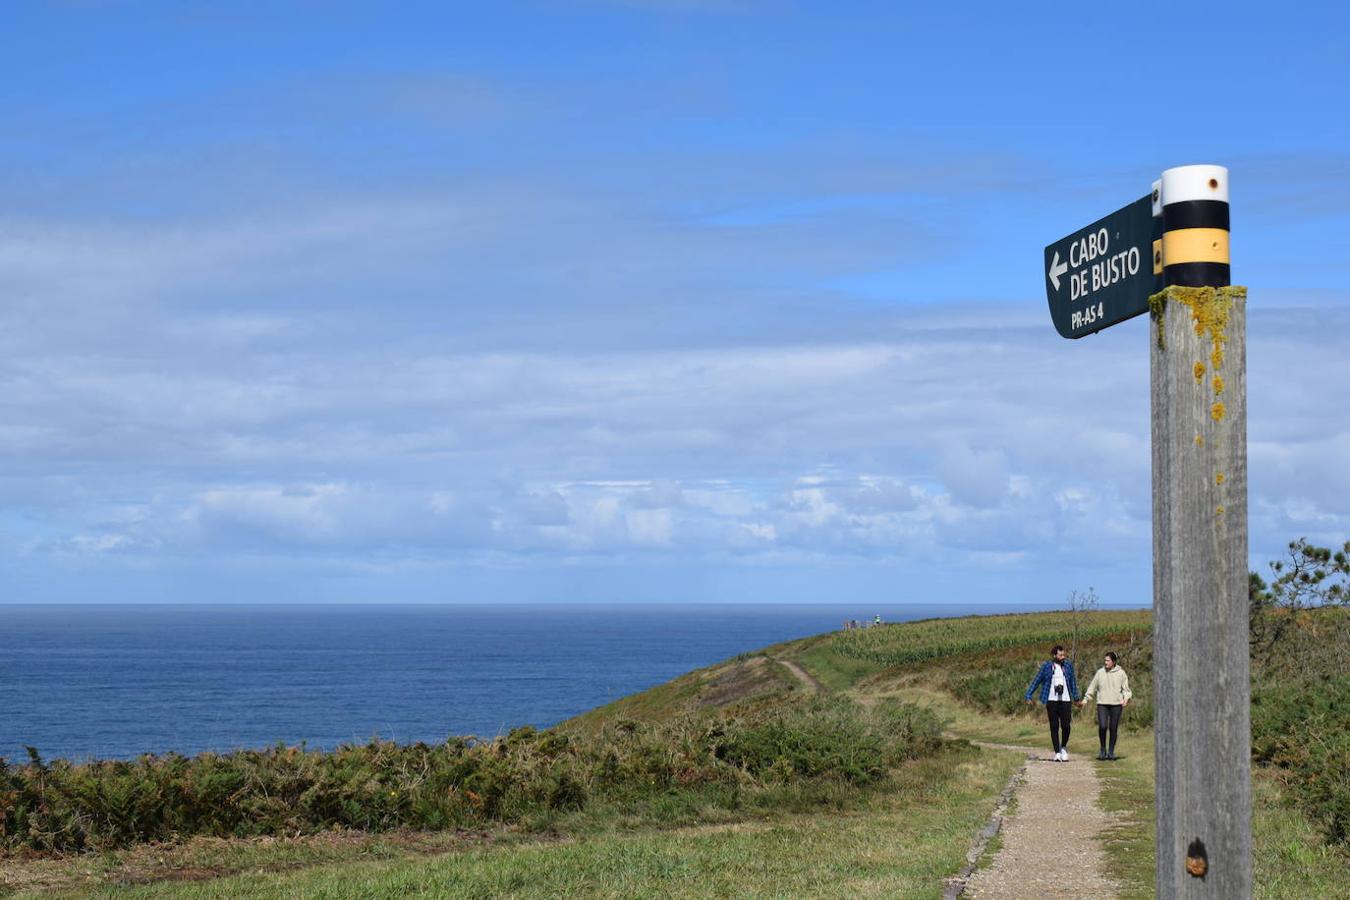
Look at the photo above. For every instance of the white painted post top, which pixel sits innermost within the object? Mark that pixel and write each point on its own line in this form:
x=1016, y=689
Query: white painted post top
x=1185, y=183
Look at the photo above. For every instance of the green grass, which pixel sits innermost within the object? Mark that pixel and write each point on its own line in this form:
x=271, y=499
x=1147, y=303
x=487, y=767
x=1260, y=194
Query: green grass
x=1291, y=860
x=917, y=642
x=900, y=842
x=749, y=679
x=837, y=672
x=1127, y=798
x=1291, y=857
x=892, y=828
x=758, y=753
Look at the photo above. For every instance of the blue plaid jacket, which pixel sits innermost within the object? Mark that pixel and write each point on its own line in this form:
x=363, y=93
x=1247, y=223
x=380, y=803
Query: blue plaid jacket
x=1043, y=677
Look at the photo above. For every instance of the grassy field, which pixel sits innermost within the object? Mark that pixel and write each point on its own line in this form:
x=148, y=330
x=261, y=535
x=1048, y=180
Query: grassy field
x=1293, y=856
x=760, y=824
x=898, y=843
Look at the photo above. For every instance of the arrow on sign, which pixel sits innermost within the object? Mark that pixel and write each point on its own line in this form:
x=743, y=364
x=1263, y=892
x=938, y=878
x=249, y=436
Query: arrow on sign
x=1110, y=283
x=1057, y=269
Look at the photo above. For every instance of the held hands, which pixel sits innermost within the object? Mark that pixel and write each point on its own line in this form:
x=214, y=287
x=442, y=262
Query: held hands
x=1080, y=703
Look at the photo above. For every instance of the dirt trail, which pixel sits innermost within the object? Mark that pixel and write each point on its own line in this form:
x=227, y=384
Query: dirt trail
x=806, y=678
x=1052, y=839
x=1050, y=820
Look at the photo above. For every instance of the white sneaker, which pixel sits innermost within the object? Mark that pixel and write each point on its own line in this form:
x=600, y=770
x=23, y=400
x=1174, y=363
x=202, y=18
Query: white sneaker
x=1059, y=756
x=1064, y=755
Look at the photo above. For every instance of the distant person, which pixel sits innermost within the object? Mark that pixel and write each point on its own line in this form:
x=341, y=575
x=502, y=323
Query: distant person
x=1111, y=687
x=1058, y=693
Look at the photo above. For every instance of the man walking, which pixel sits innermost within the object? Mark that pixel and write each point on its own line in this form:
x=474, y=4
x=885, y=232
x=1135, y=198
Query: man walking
x=1058, y=691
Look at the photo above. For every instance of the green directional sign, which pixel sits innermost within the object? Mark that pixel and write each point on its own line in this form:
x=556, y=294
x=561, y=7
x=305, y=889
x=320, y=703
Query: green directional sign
x=1104, y=273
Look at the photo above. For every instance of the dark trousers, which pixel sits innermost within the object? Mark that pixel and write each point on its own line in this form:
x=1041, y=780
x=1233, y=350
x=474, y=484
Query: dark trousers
x=1061, y=717
x=1108, y=719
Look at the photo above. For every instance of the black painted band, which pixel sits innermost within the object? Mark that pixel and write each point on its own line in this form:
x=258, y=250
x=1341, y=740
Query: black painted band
x=1197, y=274
x=1195, y=214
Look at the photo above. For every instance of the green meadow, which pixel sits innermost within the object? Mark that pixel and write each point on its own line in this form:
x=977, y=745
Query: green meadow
x=853, y=775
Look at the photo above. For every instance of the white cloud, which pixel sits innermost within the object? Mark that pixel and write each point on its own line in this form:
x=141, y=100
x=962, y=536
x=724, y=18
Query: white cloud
x=888, y=449
x=429, y=381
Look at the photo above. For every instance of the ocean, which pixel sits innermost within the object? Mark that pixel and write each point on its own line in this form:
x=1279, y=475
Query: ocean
x=116, y=681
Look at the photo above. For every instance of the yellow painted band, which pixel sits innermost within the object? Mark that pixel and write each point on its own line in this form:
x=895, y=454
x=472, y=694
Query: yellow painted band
x=1190, y=245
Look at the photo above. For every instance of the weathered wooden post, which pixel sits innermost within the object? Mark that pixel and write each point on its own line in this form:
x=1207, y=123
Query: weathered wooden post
x=1168, y=254
x=1202, y=695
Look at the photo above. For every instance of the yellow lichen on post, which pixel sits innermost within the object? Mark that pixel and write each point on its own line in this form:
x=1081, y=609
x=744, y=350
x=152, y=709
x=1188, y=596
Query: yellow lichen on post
x=1210, y=308
x=1209, y=314
x=1157, y=305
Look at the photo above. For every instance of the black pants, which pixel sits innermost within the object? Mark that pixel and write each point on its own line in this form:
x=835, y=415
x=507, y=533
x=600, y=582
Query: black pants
x=1108, y=718
x=1061, y=717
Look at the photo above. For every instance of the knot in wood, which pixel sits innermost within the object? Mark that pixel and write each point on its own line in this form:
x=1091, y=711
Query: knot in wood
x=1197, y=859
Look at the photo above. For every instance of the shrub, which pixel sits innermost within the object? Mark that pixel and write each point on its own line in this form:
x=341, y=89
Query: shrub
x=1301, y=728
x=829, y=736
x=526, y=777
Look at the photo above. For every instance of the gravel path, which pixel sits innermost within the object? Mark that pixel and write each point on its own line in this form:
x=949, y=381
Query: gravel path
x=1052, y=840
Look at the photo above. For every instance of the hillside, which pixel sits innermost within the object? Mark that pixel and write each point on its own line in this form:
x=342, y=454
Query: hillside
x=867, y=660
x=835, y=765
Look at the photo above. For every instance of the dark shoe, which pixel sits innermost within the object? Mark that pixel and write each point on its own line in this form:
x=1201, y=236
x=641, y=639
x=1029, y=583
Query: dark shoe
x=1101, y=754
x=1111, y=756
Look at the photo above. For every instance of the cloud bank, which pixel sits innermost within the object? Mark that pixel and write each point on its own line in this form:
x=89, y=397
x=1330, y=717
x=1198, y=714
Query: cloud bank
x=637, y=300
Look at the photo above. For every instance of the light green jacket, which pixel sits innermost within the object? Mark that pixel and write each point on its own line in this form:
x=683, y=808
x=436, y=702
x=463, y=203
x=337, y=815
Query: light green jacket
x=1110, y=688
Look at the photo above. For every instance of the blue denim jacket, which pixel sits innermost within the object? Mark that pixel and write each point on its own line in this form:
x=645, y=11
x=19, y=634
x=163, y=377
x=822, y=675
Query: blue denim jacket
x=1046, y=673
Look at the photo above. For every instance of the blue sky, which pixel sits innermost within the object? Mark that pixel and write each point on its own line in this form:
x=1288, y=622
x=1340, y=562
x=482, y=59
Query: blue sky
x=674, y=300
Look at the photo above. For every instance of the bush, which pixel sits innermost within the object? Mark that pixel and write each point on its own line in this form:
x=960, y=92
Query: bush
x=525, y=777
x=829, y=736
x=1301, y=728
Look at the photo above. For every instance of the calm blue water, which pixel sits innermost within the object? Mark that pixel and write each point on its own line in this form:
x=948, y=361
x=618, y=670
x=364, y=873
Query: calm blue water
x=86, y=682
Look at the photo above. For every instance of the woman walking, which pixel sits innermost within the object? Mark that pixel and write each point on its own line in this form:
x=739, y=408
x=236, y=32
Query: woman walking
x=1111, y=688
x=1058, y=693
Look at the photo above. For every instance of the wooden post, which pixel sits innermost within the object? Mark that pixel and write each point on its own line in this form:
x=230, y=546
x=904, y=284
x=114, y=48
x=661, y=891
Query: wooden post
x=1202, y=714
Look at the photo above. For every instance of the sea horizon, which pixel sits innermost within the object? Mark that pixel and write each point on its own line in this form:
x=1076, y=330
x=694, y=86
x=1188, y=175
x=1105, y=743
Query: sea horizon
x=116, y=680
